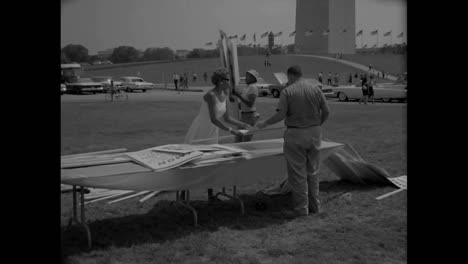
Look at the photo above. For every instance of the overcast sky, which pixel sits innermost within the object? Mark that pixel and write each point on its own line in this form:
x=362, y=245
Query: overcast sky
x=188, y=24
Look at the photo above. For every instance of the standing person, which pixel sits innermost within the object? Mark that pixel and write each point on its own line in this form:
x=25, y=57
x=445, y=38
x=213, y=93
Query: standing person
x=194, y=77
x=207, y=123
x=205, y=76
x=320, y=77
x=247, y=97
x=304, y=108
x=383, y=74
x=336, y=79
x=329, y=79
x=370, y=67
x=186, y=81
x=176, y=77
x=370, y=88
x=181, y=82
x=364, y=88
x=350, y=78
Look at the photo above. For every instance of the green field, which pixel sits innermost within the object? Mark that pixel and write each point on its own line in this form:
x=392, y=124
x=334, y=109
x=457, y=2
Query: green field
x=358, y=230
x=158, y=73
x=393, y=64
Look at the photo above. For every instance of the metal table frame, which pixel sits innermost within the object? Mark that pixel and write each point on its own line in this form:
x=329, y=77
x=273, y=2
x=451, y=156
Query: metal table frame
x=182, y=198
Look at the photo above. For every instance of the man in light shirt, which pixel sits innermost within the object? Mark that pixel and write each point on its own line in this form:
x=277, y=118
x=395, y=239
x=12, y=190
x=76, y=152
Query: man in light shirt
x=247, y=98
x=176, y=80
x=303, y=107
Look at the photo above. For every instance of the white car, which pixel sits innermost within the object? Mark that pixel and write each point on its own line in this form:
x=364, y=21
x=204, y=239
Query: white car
x=131, y=84
x=80, y=85
x=282, y=79
x=106, y=82
x=384, y=93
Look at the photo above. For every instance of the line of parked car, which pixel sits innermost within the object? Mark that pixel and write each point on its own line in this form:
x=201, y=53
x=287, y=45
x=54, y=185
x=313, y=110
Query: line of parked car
x=383, y=91
x=101, y=84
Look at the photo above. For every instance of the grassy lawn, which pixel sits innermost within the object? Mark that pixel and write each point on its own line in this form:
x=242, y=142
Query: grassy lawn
x=394, y=64
x=355, y=230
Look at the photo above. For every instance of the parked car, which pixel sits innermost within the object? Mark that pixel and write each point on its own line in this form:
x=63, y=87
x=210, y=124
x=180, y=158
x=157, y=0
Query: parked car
x=282, y=79
x=354, y=92
x=131, y=84
x=106, y=82
x=80, y=85
x=261, y=85
x=63, y=89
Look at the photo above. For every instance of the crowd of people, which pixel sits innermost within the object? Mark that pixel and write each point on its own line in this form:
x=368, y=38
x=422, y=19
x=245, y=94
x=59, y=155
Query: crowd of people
x=181, y=80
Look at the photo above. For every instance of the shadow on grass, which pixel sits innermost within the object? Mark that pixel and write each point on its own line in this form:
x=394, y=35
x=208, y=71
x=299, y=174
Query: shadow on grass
x=168, y=222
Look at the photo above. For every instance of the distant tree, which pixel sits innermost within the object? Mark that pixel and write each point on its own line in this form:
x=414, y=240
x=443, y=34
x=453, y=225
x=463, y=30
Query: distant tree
x=63, y=58
x=158, y=54
x=76, y=52
x=94, y=58
x=124, y=54
x=195, y=53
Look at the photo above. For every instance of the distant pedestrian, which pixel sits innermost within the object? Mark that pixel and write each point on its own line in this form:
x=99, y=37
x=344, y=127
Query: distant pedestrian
x=176, y=77
x=370, y=67
x=205, y=77
x=336, y=79
x=350, y=79
x=329, y=79
x=370, y=91
x=355, y=75
x=364, y=88
x=194, y=77
x=320, y=77
x=383, y=74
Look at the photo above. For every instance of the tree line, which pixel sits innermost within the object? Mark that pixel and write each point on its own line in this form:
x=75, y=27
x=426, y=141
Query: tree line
x=124, y=54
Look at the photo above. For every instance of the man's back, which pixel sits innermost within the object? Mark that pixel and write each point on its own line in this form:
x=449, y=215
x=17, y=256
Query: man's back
x=304, y=103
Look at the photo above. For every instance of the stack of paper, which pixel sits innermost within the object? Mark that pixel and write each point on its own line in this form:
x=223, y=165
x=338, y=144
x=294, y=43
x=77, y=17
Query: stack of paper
x=162, y=160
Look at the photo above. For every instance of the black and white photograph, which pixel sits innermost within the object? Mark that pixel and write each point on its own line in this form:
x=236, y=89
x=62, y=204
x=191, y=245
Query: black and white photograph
x=241, y=131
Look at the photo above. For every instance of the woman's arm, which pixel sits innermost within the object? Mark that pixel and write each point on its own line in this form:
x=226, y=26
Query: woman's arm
x=233, y=121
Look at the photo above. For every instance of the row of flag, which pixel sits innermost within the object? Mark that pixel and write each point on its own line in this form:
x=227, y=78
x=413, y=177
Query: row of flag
x=307, y=33
x=375, y=32
x=384, y=45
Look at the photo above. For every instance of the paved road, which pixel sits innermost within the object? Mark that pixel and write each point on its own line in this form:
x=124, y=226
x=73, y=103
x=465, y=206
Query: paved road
x=350, y=63
x=170, y=95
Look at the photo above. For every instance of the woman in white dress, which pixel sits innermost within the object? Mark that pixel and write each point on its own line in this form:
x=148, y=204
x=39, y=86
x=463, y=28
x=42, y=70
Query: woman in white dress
x=208, y=122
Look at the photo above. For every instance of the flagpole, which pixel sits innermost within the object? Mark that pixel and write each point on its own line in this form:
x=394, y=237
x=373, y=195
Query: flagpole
x=362, y=39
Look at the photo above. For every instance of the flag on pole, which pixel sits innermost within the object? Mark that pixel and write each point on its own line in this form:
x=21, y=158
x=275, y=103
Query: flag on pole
x=232, y=37
x=264, y=35
x=255, y=40
x=209, y=44
x=278, y=34
x=243, y=37
x=309, y=33
x=359, y=33
x=400, y=35
x=375, y=32
x=325, y=32
x=388, y=33
x=292, y=33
